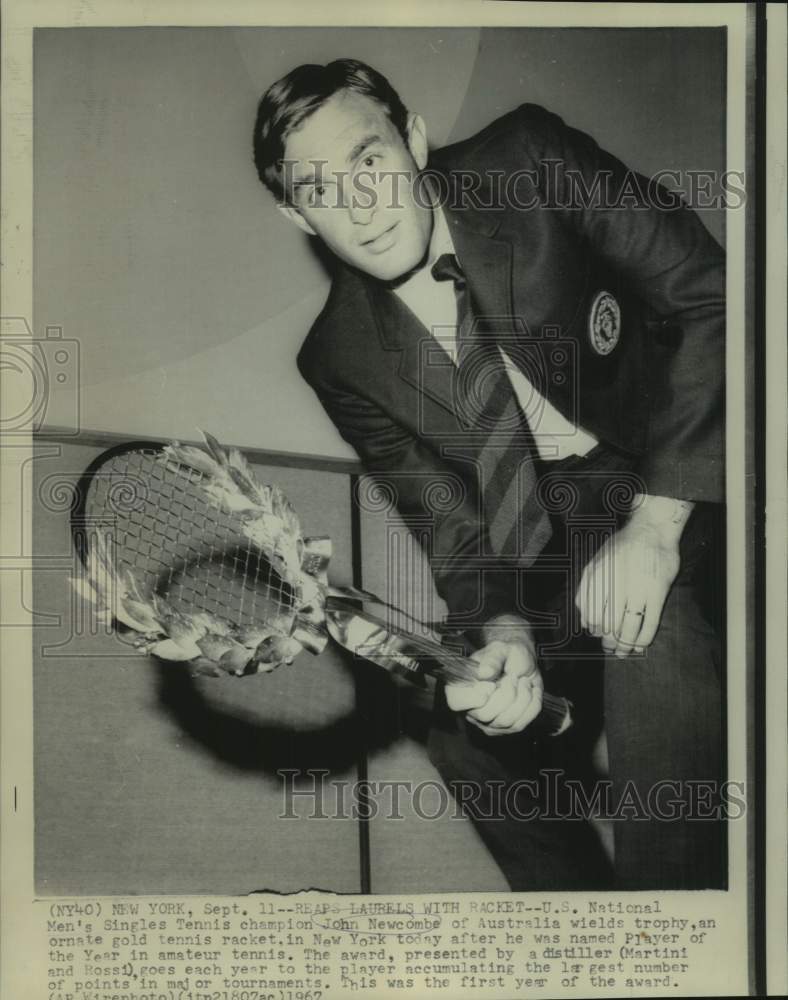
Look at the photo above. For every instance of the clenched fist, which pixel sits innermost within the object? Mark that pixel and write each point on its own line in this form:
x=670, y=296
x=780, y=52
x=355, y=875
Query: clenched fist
x=508, y=695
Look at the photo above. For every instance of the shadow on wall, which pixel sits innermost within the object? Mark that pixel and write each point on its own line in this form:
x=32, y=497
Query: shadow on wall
x=384, y=714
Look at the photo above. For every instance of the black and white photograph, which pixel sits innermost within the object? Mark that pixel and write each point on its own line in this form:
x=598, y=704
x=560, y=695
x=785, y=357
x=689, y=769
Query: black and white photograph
x=389, y=480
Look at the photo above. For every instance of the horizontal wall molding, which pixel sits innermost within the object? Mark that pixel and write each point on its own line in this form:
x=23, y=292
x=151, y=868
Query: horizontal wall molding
x=260, y=456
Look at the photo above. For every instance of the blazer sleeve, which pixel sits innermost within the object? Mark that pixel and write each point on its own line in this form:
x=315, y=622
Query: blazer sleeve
x=429, y=493
x=661, y=248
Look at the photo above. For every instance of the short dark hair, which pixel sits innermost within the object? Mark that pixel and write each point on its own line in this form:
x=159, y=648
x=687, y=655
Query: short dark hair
x=289, y=102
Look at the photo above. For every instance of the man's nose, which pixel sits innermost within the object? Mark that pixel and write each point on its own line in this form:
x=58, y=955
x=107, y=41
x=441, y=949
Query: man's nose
x=362, y=205
x=361, y=215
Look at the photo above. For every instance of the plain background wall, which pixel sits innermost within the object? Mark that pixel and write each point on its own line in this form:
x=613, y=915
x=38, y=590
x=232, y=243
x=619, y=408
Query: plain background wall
x=157, y=248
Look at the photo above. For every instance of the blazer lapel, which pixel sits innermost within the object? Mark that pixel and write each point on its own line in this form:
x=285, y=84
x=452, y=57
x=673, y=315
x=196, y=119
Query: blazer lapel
x=422, y=362
x=487, y=263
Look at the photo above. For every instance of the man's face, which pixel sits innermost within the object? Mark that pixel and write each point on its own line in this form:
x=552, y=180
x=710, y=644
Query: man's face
x=349, y=176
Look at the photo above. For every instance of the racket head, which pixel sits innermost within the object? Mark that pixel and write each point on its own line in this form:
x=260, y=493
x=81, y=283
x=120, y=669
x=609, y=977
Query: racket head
x=178, y=543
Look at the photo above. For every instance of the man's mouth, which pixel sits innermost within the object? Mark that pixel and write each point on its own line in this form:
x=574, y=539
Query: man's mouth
x=384, y=241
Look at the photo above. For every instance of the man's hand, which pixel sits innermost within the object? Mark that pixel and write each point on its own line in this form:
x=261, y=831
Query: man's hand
x=624, y=587
x=512, y=698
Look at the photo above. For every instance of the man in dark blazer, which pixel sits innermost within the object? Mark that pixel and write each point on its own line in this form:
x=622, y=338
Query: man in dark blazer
x=603, y=297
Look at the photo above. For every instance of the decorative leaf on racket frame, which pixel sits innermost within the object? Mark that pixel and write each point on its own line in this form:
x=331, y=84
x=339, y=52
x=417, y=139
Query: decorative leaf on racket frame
x=269, y=520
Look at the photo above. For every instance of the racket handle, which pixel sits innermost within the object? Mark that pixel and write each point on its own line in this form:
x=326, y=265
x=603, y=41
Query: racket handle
x=369, y=636
x=555, y=717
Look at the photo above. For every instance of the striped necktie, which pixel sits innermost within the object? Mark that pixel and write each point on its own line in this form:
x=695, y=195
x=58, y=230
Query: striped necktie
x=504, y=450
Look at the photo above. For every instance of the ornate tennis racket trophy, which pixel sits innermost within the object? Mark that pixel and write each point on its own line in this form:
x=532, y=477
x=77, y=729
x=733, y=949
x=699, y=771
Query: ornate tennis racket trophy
x=188, y=554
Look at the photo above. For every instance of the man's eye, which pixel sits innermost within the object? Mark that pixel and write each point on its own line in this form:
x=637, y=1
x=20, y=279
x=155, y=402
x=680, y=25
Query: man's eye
x=369, y=161
x=318, y=193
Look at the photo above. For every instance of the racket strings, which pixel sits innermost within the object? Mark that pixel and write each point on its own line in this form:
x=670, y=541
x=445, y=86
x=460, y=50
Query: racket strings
x=180, y=544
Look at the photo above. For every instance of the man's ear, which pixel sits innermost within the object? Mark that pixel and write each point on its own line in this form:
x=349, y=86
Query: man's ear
x=295, y=216
x=417, y=140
